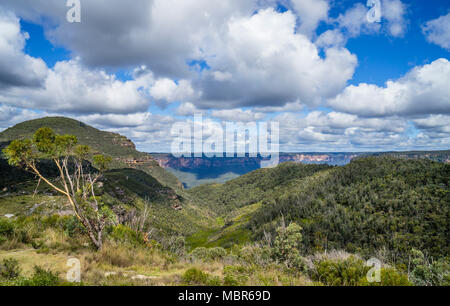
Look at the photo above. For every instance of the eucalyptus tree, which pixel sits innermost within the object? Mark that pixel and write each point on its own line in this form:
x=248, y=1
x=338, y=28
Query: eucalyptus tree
x=77, y=178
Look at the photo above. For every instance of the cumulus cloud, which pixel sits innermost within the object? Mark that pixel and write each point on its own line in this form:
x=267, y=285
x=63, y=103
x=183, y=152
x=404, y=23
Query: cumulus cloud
x=159, y=33
x=167, y=91
x=271, y=65
x=70, y=87
x=337, y=131
x=311, y=13
x=17, y=68
x=256, y=61
x=238, y=115
x=117, y=120
x=437, y=31
x=331, y=38
x=436, y=123
x=394, y=12
x=423, y=90
x=10, y=116
x=354, y=22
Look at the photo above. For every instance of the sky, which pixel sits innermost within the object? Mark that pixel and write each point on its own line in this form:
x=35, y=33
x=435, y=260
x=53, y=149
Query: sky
x=338, y=75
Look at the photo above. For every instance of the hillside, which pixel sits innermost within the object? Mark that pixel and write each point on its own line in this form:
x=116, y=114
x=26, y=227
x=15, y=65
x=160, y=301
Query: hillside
x=119, y=147
x=372, y=204
x=135, y=180
x=252, y=187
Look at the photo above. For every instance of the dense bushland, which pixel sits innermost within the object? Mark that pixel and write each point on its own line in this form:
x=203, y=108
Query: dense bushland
x=372, y=204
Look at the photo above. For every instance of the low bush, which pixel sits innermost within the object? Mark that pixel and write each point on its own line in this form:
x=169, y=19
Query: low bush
x=348, y=272
x=235, y=276
x=428, y=272
x=9, y=269
x=6, y=229
x=392, y=278
x=124, y=234
x=196, y=277
x=207, y=254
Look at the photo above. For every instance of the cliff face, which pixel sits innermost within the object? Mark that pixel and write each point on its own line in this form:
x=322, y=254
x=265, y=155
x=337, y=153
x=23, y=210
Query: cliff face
x=170, y=161
x=123, y=141
x=243, y=164
x=251, y=163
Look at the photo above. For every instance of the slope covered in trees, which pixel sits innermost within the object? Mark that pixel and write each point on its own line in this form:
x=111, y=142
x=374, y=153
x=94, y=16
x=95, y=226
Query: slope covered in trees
x=374, y=204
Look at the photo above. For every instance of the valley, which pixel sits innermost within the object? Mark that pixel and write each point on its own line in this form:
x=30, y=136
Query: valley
x=290, y=225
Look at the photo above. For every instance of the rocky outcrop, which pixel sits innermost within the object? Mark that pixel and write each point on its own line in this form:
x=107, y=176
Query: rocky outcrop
x=123, y=141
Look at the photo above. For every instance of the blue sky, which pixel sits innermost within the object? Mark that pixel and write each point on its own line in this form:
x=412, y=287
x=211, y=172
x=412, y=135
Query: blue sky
x=317, y=67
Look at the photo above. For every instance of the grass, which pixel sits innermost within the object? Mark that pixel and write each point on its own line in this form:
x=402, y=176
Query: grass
x=230, y=230
x=26, y=204
x=28, y=258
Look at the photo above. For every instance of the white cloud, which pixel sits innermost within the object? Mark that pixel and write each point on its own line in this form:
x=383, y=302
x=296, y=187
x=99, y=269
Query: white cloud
x=311, y=13
x=437, y=123
x=70, y=87
x=240, y=115
x=331, y=38
x=10, y=116
x=288, y=107
x=423, y=90
x=394, y=12
x=354, y=21
x=159, y=33
x=335, y=131
x=17, y=68
x=117, y=120
x=167, y=90
x=187, y=109
x=437, y=31
x=271, y=65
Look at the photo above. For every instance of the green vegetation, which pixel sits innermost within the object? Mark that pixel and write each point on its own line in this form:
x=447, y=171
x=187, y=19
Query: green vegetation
x=191, y=180
x=117, y=146
x=253, y=187
x=290, y=225
x=77, y=181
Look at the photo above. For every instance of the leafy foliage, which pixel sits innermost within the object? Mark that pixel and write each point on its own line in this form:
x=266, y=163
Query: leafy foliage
x=287, y=244
x=426, y=273
x=77, y=183
x=368, y=205
x=9, y=269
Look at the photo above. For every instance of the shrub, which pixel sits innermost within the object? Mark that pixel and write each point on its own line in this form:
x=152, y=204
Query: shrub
x=286, y=246
x=42, y=277
x=196, y=277
x=208, y=254
x=391, y=277
x=115, y=256
x=6, y=229
x=255, y=253
x=425, y=273
x=235, y=276
x=124, y=234
x=217, y=253
x=72, y=226
x=9, y=269
x=348, y=272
